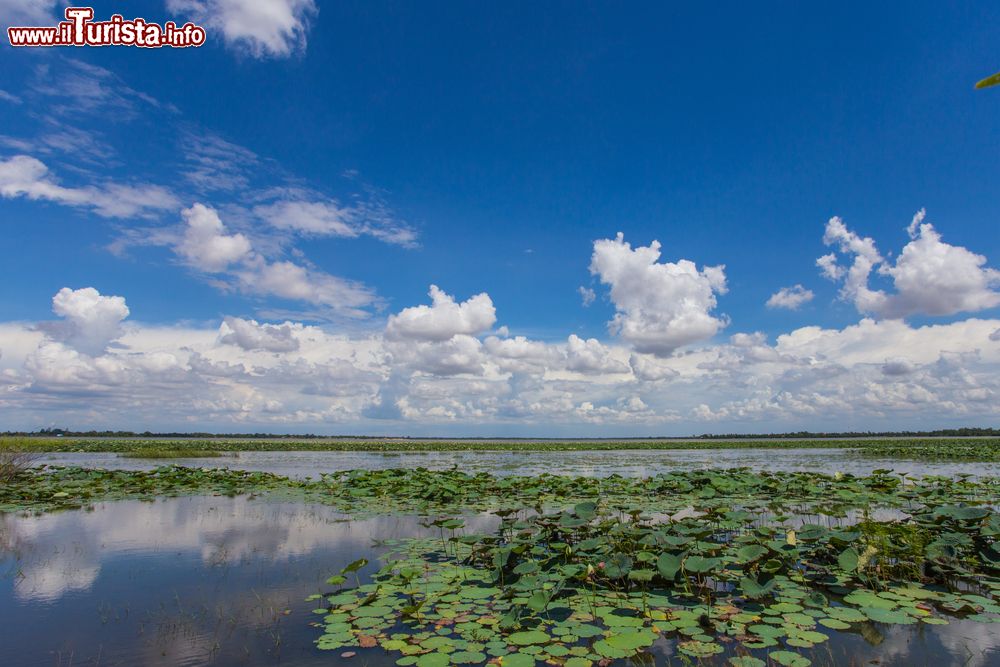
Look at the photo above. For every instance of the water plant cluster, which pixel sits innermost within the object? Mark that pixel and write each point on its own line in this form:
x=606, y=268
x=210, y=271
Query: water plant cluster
x=603, y=580
x=422, y=491
x=742, y=566
x=57, y=488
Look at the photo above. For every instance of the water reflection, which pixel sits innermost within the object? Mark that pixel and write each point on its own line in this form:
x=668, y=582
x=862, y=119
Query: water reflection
x=223, y=581
x=628, y=463
x=180, y=581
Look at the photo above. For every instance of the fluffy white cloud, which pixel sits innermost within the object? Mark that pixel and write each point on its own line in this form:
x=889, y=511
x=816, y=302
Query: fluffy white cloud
x=790, y=298
x=660, y=306
x=590, y=356
x=250, y=335
x=206, y=246
x=263, y=28
x=444, y=318
x=25, y=176
x=931, y=277
x=288, y=280
x=92, y=320
x=587, y=295
x=650, y=369
x=873, y=373
x=443, y=363
x=309, y=217
x=458, y=355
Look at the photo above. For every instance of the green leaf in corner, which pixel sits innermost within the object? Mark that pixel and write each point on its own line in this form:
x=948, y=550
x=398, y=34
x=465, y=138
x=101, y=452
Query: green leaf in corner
x=989, y=81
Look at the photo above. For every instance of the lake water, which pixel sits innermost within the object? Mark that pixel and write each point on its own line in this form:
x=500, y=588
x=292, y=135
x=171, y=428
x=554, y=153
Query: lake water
x=224, y=581
x=628, y=463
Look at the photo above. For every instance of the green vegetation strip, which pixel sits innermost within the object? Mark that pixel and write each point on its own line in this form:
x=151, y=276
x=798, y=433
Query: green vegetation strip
x=418, y=490
x=937, y=449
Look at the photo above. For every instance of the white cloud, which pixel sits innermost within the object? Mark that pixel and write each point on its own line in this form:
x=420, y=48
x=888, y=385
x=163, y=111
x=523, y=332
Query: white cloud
x=77, y=87
x=92, y=320
x=263, y=28
x=444, y=318
x=935, y=278
x=206, y=246
x=9, y=97
x=591, y=356
x=25, y=176
x=250, y=335
x=27, y=13
x=288, y=280
x=443, y=363
x=791, y=298
x=897, y=366
x=587, y=295
x=243, y=373
x=216, y=164
x=460, y=354
x=829, y=268
x=660, y=306
x=651, y=369
x=329, y=218
x=931, y=277
x=311, y=218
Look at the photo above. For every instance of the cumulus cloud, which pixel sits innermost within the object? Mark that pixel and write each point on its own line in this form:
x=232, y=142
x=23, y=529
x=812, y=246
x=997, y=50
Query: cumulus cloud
x=659, y=306
x=25, y=176
x=791, y=298
x=91, y=320
x=444, y=318
x=898, y=366
x=587, y=295
x=591, y=356
x=206, y=246
x=243, y=373
x=263, y=28
x=650, y=369
x=288, y=280
x=251, y=335
x=460, y=354
x=930, y=277
x=829, y=268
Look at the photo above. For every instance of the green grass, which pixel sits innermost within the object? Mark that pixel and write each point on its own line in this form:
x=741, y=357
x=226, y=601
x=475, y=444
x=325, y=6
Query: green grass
x=152, y=453
x=938, y=449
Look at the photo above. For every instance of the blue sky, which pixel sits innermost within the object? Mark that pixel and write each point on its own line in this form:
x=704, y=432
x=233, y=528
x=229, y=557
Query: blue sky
x=373, y=150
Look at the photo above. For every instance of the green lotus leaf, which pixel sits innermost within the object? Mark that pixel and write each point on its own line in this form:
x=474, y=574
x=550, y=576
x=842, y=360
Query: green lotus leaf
x=789, y=659
x=528, y=637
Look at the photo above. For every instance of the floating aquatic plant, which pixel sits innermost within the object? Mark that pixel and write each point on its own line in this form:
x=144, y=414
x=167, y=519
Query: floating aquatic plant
x=603, y=581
